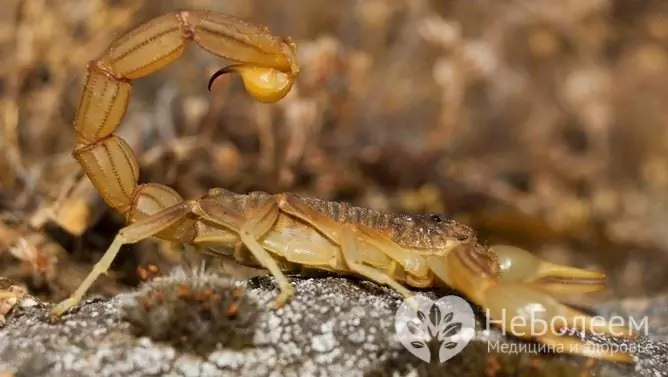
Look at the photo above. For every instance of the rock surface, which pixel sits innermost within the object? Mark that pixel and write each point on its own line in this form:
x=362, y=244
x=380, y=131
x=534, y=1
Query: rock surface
x=332, y=327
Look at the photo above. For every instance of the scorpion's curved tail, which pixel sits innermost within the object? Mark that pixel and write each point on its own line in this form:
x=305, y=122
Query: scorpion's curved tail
x=267, y=65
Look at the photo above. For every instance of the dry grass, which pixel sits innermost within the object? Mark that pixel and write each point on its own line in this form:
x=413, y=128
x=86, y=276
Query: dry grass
x=540, y=123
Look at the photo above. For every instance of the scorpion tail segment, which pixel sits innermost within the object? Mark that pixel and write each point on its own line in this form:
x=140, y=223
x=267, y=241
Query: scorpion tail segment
x=112, y=168
x=518, y=265
x=526, y=311
x=267, y=65
x=266, y=85
x=240, y=41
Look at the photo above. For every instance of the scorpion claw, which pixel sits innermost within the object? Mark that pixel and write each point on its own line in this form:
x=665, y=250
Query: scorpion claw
x=511, y=289
x=519, y=265
x=525, y=311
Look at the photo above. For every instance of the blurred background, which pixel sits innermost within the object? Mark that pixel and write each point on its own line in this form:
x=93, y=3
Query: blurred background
x=541, y=124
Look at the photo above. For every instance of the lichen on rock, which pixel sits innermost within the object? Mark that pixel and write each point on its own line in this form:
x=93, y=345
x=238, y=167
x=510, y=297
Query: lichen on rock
x=333, y=326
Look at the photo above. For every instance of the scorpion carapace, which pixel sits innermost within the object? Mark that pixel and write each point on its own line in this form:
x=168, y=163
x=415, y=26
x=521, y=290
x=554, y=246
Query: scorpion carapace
x=268, y=229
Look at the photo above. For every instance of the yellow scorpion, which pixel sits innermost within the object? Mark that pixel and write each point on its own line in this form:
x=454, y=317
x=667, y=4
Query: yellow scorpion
x=283, y=232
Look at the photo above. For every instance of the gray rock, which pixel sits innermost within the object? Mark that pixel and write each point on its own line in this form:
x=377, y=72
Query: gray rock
x=332, y=327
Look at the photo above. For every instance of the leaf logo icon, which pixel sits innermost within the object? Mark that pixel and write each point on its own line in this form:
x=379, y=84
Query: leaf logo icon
x=449, y=322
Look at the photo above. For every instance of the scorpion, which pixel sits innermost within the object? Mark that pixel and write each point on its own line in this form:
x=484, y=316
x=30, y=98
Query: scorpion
x=284, y=232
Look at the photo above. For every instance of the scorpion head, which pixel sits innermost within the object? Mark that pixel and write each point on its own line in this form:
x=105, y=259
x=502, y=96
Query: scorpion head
x=429, y=231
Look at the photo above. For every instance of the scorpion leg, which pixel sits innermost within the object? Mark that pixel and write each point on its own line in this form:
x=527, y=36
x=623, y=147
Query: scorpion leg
x=416, y=268
x=139, y=230
x=354, y=257
x=256, y=224
x=522, y=308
